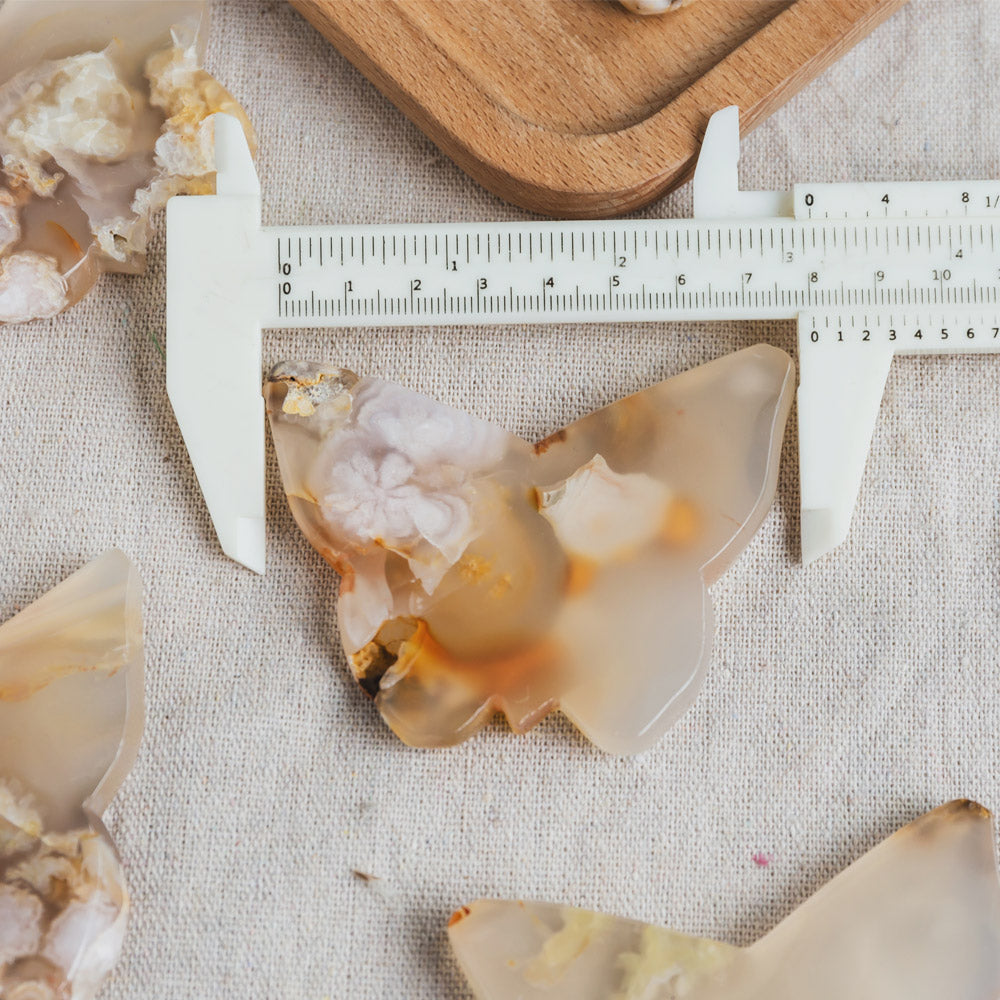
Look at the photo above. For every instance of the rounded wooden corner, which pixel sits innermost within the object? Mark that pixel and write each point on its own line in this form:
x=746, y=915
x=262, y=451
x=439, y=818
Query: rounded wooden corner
x=593, y=174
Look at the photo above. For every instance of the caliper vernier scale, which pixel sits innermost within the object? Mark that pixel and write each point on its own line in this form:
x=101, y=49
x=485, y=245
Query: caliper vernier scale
x=868, y=271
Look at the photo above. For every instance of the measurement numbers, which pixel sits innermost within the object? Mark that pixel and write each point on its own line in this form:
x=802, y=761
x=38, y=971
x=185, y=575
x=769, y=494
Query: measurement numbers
x=891, y=334
x=671, y=269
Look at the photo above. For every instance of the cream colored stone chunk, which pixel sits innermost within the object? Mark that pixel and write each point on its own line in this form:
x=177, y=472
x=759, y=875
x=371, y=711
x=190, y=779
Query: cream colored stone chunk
x=654, y=6
x=599, y=514
x=10, y=225
x=93, y=144
x=31, y=287
x=76, y=107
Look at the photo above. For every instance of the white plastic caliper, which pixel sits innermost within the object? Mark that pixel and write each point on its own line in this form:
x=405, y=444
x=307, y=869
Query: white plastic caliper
x=867, y=270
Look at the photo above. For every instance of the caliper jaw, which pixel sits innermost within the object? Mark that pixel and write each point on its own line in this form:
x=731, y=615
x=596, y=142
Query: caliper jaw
x=214, y=287
x=716, y=186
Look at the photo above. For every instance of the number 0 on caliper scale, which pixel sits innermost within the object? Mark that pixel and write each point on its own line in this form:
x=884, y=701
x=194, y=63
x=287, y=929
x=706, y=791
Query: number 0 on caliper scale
x=867, y=270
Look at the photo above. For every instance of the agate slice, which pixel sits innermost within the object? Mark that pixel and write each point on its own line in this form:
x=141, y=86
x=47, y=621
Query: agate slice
x=104, y=114
x=481, y=574
x=71, y=714
x=917, y=918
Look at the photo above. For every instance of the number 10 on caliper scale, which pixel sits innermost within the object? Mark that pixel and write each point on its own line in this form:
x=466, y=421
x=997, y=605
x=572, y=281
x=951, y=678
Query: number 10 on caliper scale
x=867, y=270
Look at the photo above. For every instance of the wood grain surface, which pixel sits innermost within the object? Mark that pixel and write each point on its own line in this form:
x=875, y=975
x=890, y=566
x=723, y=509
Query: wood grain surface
x=577, y=108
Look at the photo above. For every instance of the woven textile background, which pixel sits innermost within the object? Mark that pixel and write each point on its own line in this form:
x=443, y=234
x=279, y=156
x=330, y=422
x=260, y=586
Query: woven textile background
x=842, y=699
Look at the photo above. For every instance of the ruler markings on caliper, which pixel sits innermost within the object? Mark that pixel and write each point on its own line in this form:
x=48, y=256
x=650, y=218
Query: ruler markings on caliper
x=401, y=287
x=868, y=271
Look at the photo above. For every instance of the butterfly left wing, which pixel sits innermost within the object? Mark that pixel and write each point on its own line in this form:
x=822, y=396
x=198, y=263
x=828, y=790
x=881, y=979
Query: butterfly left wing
x=449, y=576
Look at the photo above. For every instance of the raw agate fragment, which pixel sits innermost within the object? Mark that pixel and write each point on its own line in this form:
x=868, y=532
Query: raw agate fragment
x=654, y=6
x=917, y=918
x=70, y=722
x=104, y=114
x=481, y=574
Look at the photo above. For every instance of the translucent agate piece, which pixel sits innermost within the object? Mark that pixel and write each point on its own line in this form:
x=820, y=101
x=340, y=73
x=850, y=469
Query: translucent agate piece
x=917, y=918
x=71, y=714
x=484, y=574
x=104, y=114
x=653, y=6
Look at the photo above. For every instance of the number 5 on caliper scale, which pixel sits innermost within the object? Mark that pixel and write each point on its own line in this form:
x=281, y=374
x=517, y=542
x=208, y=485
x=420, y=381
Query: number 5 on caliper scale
x=868, y=270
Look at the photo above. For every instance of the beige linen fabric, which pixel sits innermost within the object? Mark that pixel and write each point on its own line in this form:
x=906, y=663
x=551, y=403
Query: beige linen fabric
x=842, y=700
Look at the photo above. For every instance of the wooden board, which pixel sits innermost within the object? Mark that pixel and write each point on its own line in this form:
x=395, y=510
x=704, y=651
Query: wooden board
x=577, y=108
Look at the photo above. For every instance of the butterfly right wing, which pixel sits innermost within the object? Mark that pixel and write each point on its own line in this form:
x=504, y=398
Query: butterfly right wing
x=652, y=498
x=916, y=918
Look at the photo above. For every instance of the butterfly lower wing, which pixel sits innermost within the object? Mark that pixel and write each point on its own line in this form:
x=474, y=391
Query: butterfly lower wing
x=652, y=498
x=650, y=671
x=541, y=951
x=917, y=918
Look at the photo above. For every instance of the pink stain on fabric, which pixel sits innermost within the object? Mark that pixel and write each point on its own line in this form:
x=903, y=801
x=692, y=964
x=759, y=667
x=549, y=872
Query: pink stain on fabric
x=761, y=860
